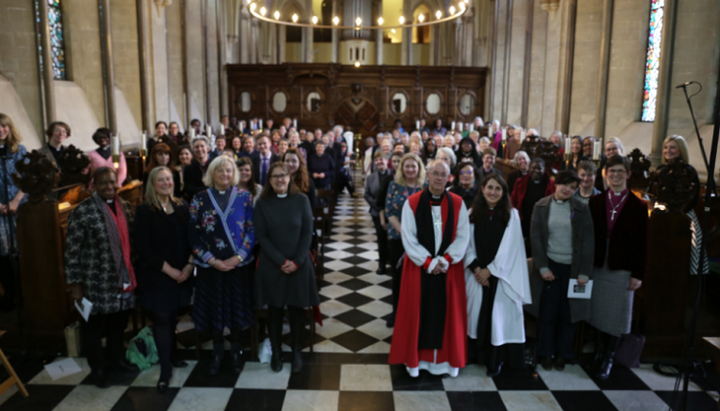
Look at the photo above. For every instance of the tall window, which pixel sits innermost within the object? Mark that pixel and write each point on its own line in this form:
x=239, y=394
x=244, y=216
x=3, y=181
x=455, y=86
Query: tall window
x=652, y=65
x=57, y=39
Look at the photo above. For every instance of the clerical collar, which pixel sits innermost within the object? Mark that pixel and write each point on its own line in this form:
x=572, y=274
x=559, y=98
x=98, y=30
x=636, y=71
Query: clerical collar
x=620, y=193
x=221, y=192
x=487, y=171
x=110, y=201
x=556, y=201
x=282, y=195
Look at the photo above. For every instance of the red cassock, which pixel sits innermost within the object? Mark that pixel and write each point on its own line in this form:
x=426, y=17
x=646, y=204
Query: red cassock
x=404, y=347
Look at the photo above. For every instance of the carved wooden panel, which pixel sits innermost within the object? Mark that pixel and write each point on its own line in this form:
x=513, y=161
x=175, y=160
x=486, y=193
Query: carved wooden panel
x=322, y=95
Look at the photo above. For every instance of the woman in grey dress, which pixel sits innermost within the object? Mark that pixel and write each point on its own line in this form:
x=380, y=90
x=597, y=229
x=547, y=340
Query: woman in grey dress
x=620, y=224
x=285, y=276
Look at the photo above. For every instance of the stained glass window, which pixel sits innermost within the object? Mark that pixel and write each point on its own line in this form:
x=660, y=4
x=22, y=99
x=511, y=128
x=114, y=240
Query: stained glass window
x=652, y=64
x=57, y=38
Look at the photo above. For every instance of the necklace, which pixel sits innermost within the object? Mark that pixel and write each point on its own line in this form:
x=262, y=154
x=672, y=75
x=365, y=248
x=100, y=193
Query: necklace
x=437, y=218
x=614, y=210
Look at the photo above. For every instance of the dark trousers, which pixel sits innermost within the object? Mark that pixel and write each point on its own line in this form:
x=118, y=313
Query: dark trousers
x=557, y=332
x=164, y=325
x=395, y=251
x=382, y=242
x=112, y=326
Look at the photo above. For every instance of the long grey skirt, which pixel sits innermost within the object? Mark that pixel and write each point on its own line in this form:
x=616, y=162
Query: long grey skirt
x=611, y=301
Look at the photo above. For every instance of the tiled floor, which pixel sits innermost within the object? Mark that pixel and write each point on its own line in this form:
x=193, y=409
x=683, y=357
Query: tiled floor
x=348, y=370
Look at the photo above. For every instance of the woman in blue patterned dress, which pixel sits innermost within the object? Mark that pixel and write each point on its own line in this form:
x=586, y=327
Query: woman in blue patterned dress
x=11, y=151
x=222, y=238
x=408, y=181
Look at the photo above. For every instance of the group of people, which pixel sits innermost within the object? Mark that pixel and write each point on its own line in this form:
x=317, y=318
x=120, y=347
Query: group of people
x=226, y=225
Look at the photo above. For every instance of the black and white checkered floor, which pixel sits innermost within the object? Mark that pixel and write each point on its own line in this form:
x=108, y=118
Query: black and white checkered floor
x=348, y=369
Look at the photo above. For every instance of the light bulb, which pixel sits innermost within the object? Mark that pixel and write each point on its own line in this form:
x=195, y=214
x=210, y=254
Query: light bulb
x=277, y=15
x=314, y=19
x=380, y=21
x=263, y=11
x=357, y=64
x=421, y=18
x=452, y=10
x=402, y=19
x=252, y=6
x=358, y=21
x=295, y=18
x=438, y=14
x=392, y=31
x=336, y=20
x=462, y=7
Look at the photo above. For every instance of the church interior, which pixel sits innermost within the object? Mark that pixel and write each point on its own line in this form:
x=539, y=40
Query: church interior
x=525, y=76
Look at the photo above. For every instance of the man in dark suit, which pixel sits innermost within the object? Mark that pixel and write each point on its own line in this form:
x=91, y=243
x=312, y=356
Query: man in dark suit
x=263, y=159
x=488, y=165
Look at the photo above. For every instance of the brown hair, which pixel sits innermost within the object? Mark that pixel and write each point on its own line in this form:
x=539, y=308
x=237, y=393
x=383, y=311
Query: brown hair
x=252, y=185
x=588, y=166
x=13, y=139
x=490, y=151
x=51, y=128
x=159, y=148
x=300, y=178
x=268, y=190
x=617, y=159
x=503, y=208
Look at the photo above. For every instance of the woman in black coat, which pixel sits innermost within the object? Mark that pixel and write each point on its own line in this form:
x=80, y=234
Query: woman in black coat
x=321, y=167
x=164, y=268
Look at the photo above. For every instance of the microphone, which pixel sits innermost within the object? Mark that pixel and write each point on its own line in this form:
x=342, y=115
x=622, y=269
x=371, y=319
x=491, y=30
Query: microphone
x=687, y=83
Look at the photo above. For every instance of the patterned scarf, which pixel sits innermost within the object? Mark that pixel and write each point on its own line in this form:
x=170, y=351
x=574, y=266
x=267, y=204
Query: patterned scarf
x=117, y=229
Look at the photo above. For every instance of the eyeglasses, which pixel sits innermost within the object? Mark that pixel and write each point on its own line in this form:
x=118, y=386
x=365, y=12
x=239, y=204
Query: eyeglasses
x=278, y=176
x=466, y=172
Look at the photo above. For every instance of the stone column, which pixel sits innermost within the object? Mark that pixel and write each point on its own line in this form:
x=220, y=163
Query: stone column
x=143, y=53
x=335, y=36
x=309, y=43
x=245, y=36
x=526, y=68
x=506, y=73
x=605, y=46
x=406, y=58
x=662, y=105
x=280, y=30
x=106, y=51
x=378, y=47
x=47, y=73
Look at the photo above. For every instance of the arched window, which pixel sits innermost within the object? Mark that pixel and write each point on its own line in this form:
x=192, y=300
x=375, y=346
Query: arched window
x=57, y=39
x=652, y=64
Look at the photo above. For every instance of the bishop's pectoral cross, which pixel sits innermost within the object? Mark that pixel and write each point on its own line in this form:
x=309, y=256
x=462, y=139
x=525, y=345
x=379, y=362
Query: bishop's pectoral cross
x=438, y=224
x=612, y=216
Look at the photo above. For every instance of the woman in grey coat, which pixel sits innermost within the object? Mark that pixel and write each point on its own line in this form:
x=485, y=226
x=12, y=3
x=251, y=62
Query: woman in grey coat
x=563, y=249
x=285, y=276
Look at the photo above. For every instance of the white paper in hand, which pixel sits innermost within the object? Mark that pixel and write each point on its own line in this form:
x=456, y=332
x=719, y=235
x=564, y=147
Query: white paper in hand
x=84, y=308
x=576, y=290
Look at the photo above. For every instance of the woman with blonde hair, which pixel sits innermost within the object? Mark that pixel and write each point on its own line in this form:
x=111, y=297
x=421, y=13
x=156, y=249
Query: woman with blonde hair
x=11, y=196
x=409, y=179
x=165, y=266
x=222, y=237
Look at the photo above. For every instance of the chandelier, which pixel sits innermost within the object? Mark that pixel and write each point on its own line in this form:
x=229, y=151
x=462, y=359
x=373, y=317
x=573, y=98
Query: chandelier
x=261, y=13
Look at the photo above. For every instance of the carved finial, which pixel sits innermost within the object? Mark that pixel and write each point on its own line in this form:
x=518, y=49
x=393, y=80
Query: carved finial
x=36, y=176
x=74, y=164
x=676, y=185
x=639, y=167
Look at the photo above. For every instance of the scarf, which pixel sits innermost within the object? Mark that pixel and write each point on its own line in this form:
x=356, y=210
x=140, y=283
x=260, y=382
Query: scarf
x=104, y=152
x=424, y=218
x=117, y=229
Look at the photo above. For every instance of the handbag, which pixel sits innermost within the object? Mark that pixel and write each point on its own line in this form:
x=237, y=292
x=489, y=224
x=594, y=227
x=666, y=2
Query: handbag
x=629, y=349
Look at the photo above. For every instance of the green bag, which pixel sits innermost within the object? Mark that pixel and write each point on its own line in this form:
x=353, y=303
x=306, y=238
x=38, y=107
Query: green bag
x=142, y=350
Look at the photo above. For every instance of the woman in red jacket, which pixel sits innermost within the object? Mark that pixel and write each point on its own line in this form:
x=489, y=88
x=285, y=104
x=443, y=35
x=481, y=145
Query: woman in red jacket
x=528, y=190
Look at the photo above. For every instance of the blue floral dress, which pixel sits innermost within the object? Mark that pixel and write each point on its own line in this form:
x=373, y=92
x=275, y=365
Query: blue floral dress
x=8, y=223
x=221, y=226
x=394, y=202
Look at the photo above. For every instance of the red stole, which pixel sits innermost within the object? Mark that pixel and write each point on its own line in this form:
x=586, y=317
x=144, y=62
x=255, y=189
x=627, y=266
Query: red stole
x=404, y=347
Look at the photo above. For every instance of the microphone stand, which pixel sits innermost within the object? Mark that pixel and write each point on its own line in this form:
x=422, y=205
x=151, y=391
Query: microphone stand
x=710, y=193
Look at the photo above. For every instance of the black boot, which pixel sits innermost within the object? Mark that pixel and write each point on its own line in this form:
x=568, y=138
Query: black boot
x=608, y=358
x=274, y=324
x=297, y=331
x=218, y=354
x=238, y=361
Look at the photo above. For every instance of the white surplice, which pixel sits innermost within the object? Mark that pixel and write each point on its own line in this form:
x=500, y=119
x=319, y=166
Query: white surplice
x=513, y=291
x=419, y=254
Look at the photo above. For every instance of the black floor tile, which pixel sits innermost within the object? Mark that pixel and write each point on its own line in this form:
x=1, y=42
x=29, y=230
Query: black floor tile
x=355, y=284
x=355, y=250
x=362, y=401
x=338, y=358
x=355, y=241
x=388, y=299
x=355, y=260
x=696, y=400
x=354, y=318
x=42, y=398
x=621, y=378
x=254, y=400
x=475, y=401
x=199, y=377
x=354, y=299
x=583, y=400
x=189, y=338
x=316, y=377
x=317, y=338
x=402, y=381
x=354, y=340
x=323, y=298
x=518, y=380
x=115, y=377
x=387, y=283
x=145, y=399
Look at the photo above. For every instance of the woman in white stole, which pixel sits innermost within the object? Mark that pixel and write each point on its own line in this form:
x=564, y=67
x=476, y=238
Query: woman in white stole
x=496, y=278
